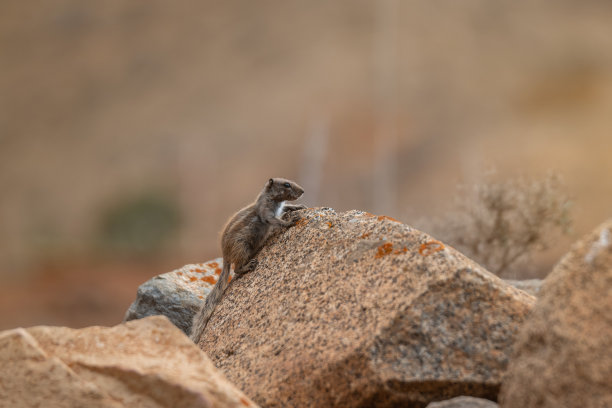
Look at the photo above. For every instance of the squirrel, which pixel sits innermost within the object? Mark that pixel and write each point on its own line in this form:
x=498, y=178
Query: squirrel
x=244, y=235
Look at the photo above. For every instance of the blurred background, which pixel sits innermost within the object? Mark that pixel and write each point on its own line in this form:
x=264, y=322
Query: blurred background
x=130, y=131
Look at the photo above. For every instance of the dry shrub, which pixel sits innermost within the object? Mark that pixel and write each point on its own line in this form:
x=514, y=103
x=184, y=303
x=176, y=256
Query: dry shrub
x=500, y=224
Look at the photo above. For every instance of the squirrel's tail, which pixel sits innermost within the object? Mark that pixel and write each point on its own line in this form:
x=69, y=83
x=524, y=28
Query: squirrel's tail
x=212, y=300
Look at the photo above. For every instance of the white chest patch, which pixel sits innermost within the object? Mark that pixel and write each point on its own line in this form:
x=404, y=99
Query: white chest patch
x=279, y=210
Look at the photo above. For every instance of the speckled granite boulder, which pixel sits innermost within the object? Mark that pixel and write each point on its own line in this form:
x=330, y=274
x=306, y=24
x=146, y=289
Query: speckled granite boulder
x=464, y=402
x=178, y=295
x=145, y=363
x=355, y=310
x=564, y=351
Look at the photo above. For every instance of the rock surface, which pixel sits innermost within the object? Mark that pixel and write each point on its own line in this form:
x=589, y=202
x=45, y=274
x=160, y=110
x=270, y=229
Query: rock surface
x=178, y=295
x=355, y=310
x=463, y=402
x=563, y=352
x=146, y=363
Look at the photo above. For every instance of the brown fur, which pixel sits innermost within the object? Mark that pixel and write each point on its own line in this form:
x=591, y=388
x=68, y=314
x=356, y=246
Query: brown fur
x=244, y=235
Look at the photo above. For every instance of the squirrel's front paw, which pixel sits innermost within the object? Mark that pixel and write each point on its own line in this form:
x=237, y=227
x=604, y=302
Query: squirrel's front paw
x=292, y=217
x=294, y=207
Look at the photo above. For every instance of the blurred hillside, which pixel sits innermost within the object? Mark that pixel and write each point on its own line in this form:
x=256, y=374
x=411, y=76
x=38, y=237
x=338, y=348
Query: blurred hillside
x=181, y=110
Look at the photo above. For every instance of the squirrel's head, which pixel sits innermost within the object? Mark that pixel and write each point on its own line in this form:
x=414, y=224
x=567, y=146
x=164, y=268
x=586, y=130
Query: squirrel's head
x=281, y=189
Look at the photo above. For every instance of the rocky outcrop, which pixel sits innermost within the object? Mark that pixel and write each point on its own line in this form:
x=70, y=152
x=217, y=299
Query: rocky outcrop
x=146, y=363
x=354, y=310
x=463, y=402
x=178, y=295
x=563, y=356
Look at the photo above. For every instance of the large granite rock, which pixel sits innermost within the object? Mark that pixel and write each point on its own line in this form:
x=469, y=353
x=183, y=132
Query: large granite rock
x=178, y=295
x=356, y=310
x=563, y=352
x=146, y=363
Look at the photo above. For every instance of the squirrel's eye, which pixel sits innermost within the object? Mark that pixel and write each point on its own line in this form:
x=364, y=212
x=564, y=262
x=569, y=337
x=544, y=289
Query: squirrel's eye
x=287, y=185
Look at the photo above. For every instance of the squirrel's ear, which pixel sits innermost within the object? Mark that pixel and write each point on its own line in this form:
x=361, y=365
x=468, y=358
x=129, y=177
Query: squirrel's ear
x=270, y=182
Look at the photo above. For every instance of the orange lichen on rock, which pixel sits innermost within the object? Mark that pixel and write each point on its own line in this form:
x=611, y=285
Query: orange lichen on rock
x=403, y=250
x=384, y=249
x=329, y=224
x=213, y=264
x=431, y=247
x=179, y=273
x=209, y=279
x=301, y=222
x=218, y=271
x=386, y=217
x=365, y=235
x=193, y=279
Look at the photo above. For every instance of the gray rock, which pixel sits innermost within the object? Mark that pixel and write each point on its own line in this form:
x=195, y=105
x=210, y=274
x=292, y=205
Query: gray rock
x=178, y=295
x=464, y=402
x=531, y=286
